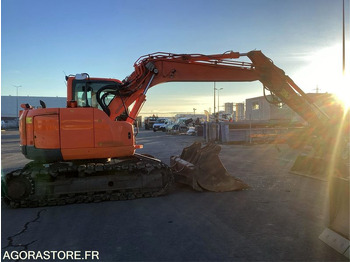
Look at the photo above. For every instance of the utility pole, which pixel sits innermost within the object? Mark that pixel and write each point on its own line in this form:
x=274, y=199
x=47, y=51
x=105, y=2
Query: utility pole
x=214, y=98
x=317, y=89
x=343, y=37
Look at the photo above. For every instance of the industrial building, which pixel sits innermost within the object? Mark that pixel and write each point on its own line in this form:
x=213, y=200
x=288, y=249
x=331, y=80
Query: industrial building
x=229, y=108
x=258, y=108
x=240, y=112
x=11, y=105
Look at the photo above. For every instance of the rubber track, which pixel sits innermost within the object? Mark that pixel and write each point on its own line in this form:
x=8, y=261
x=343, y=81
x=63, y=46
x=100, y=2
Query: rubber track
x=91, y=168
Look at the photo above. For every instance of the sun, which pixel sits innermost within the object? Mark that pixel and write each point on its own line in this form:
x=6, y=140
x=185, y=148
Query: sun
x=322, y=73
x=341, y=89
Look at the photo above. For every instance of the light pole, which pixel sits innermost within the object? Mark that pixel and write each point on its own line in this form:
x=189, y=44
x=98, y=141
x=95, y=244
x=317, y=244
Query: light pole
x=17, y=98
x=343, y=37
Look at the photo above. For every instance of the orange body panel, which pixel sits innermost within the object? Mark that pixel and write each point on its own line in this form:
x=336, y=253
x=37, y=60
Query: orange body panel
x=27, y=120
x=22, y=128
x=79, y=133
x=110, y=133
x=46, y=132
x=29, y=130
x=77, y=128
x=88, y=133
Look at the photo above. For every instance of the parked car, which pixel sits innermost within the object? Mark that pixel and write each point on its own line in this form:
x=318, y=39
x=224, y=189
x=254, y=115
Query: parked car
x=160, y=125
x=181, y=125
x=149, y=122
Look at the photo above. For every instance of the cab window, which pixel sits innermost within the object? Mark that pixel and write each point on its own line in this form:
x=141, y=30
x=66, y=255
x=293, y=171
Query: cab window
x=84, y=92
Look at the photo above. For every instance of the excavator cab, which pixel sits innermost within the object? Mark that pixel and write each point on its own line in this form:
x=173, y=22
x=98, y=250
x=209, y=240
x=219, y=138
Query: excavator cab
x=84, y=91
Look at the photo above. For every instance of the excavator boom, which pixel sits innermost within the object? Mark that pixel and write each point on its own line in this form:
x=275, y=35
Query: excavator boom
x=159, y=68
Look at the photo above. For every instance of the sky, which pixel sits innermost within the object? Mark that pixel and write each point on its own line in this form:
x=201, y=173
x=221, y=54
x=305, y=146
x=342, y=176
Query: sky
x=42, y=40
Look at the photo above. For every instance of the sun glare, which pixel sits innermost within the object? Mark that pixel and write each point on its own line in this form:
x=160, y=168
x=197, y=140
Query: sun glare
x=342, y=91
x=323, y=73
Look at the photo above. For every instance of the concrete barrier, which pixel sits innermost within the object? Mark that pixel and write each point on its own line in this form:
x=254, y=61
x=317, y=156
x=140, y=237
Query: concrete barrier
x=225, y=133
x=211, y=131
x=337, y=233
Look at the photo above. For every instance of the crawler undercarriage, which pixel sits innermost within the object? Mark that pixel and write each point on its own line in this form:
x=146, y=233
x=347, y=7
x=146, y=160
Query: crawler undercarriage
x=76, y=182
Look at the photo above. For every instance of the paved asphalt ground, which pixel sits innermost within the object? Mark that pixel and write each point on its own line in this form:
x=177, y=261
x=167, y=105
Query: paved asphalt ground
x=278, y=219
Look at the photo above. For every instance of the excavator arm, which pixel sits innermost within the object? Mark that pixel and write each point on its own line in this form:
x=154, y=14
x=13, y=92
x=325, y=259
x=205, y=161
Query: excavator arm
x=278, y=83
x=159, y=68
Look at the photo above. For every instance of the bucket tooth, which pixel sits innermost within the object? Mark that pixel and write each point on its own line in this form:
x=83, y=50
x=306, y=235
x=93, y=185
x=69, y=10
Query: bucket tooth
x=201, y=168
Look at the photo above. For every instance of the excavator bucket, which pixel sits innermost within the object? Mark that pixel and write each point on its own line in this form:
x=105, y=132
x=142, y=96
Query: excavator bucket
x=310, y=166
x=201, y=168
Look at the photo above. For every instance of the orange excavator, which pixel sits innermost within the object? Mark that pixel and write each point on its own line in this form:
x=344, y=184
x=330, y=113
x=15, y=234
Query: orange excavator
x=86, y=151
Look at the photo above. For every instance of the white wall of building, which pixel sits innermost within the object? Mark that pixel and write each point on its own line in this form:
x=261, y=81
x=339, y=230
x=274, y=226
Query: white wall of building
x=229, y=108
x=10, y=105
x=258, y=108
